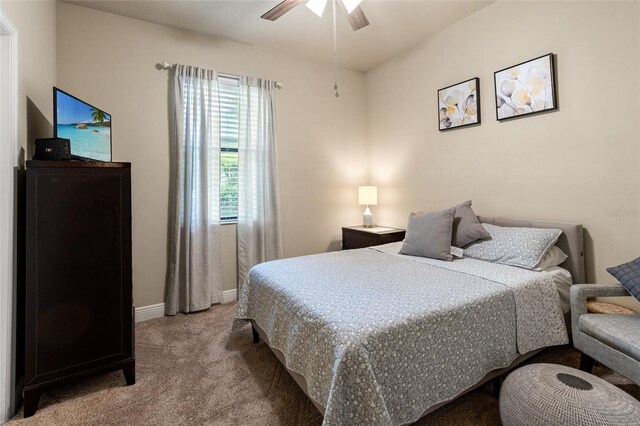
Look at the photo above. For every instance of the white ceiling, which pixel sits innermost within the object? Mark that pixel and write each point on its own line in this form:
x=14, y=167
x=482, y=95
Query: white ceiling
x=395, y=25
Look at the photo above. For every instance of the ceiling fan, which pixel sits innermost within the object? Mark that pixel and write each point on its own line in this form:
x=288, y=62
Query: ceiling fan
x=351, y=9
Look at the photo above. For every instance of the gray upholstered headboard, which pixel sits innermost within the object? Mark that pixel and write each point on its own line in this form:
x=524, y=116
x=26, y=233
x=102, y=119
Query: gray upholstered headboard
x=571, y=241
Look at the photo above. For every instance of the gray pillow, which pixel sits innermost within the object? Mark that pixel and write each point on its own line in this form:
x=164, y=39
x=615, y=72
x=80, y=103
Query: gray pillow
x=523, y=247
x=429, y=235
x=466, y=226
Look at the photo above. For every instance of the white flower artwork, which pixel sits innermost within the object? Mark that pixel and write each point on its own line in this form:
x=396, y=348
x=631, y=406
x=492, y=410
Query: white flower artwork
x=459, y=104
x=526, y=88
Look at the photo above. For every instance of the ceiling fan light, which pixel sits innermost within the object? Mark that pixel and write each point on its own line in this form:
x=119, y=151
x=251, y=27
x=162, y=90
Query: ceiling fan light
x=351, y=5
x=317, y=6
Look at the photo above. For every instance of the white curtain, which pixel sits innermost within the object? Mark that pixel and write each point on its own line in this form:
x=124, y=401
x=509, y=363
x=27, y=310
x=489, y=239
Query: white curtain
x=259, y=237
x=194, y=279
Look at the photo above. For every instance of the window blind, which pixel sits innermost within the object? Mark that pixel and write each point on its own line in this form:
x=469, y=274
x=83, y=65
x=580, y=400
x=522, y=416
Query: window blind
x=229, y=90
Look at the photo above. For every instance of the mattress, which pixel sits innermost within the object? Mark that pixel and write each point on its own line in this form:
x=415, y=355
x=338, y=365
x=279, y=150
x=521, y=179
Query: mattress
x=563, y=282
x=381, y=337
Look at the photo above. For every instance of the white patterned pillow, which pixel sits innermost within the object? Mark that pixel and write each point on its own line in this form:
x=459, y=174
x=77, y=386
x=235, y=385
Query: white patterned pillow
x=523, y=247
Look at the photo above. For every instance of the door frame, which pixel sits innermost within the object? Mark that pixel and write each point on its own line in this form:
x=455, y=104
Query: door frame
x=8, y=163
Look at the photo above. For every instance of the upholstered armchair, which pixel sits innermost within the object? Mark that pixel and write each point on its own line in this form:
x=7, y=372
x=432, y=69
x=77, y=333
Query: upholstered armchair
x=613, y=340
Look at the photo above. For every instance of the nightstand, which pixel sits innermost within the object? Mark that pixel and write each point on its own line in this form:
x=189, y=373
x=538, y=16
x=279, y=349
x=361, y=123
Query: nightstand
x=354, y=237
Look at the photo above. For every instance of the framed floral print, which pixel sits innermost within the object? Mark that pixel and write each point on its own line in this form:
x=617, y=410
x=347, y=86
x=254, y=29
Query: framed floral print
x=525, y=89
x=459, y=105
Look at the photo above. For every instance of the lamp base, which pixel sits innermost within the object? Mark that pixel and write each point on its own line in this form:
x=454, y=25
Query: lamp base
x=367, y=218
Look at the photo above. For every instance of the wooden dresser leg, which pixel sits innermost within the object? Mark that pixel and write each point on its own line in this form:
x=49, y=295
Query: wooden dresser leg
x=31, y=399
x=586, y=363
x=129, y=371
x=256, y=336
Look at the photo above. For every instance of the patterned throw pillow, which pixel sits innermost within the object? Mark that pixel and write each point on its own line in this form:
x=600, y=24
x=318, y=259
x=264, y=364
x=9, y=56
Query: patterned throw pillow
x=629, y=276
x=522, y=247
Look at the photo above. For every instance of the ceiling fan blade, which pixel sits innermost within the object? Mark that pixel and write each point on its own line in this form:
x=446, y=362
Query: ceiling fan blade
x=280, y=9
x=356, y=18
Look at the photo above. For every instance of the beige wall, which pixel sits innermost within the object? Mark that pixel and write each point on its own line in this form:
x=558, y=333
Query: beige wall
x=110, y=61
x=579, y=164
x=36, y=24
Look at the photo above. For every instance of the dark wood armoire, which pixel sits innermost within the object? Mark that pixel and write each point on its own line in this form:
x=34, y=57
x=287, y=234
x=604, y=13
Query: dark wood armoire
x=79, y=311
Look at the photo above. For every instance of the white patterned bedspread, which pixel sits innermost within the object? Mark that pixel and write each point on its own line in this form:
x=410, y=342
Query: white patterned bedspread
x=380, y=337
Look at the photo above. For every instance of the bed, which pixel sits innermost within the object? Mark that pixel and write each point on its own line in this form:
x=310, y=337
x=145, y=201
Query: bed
x=378, y=338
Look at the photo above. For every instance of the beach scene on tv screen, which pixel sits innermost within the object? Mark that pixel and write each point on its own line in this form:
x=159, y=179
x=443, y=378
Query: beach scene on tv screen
x=88, y=128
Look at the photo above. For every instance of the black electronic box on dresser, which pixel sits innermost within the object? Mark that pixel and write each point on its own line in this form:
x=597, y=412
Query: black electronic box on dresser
x=79, y=311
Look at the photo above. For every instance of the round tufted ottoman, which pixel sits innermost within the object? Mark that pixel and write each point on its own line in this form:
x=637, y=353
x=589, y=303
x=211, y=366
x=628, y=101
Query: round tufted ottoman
x=549, y=394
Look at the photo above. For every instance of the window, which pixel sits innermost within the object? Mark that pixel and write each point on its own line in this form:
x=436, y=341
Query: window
x=229, y=135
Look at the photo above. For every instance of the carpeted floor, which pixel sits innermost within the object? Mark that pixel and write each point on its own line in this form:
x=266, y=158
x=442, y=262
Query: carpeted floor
x=191, y=370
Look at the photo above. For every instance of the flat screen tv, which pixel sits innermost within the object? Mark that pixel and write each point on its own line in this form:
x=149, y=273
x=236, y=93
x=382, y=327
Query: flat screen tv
x=87, y=127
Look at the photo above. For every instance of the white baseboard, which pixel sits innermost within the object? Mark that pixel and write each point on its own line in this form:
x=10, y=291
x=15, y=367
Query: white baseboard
x=229, y=296
x=144, y=313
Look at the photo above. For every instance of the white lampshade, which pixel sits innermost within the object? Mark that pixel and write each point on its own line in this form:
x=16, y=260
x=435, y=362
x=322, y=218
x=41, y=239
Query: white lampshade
x=368, y=195
x=317, y=6
x=350, y=5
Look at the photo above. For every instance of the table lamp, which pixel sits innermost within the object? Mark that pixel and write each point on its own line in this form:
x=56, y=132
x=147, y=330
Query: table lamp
x=367, y=196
